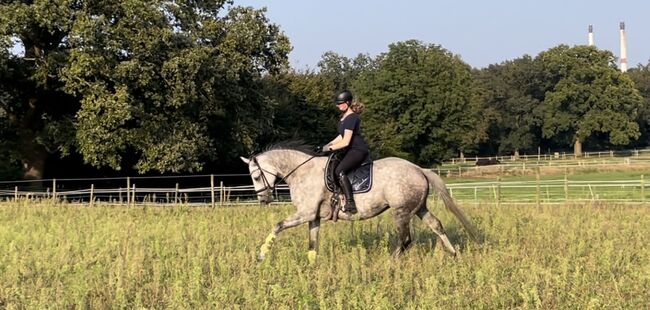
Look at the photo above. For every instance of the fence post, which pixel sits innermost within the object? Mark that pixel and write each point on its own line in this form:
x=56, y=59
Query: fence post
x=128, y=190
x=92, y=194
x=642, y=189
x=566, y=187
x=498, y=191
x=221, y=193
x=133, y=196
x=212, y=190
x=537, y=194
x=16, y=194
x=54, y=189
x=176, y=194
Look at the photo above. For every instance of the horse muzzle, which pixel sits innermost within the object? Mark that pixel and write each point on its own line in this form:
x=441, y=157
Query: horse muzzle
x=265, y=199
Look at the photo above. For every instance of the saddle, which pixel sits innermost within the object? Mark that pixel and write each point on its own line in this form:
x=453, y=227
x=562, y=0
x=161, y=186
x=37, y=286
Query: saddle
x=360, y=178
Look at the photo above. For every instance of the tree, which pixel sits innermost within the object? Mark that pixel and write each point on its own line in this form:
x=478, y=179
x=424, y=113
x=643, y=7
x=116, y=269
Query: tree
x=157, y=85
x=510, y=91
x=39, y=114
x=587, y=95
x=641, y=77
x=9, y=163
x=419, y=103
x=302, y=107
x=342, y=71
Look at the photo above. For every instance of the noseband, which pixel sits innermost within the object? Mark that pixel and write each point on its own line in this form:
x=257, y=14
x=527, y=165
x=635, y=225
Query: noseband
x=267, y=184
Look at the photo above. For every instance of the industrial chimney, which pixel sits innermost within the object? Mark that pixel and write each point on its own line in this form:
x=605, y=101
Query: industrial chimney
x=591, y=35
x=623, y=48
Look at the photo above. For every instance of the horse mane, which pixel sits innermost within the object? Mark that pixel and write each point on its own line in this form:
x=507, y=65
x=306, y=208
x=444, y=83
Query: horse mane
x=295, y=145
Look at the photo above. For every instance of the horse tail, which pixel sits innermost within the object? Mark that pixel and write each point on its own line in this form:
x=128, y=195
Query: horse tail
x=440, y=187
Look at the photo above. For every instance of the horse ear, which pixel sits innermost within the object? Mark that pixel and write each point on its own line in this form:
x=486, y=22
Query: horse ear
x=245, y=160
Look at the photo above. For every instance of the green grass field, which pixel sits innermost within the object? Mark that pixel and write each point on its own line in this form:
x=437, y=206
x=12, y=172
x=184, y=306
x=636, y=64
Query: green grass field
x=71, y=256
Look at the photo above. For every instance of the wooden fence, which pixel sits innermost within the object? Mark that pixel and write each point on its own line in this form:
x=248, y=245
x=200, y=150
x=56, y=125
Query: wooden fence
x=556, y=191
x=536, y=192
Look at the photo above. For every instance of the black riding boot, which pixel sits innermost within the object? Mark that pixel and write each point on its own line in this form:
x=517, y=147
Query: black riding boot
x=346, y=188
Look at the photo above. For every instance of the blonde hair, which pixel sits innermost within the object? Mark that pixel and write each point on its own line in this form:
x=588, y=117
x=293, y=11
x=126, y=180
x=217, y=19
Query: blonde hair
x=357, y=106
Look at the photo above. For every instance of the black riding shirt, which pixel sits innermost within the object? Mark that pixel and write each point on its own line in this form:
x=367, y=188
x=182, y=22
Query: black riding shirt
x=353, y=122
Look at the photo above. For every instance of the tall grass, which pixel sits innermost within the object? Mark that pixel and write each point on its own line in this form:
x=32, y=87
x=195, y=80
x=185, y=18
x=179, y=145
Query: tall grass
x=70, y=256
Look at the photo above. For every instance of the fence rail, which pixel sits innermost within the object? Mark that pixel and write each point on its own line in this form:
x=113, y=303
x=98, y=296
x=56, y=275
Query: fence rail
x=531, y=167
x=554, y=156
x=210, y=190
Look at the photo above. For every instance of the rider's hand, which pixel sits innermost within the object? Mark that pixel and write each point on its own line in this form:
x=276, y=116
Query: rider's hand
x=323, y=149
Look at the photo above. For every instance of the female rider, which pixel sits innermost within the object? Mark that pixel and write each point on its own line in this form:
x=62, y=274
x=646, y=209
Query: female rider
x=351, y=142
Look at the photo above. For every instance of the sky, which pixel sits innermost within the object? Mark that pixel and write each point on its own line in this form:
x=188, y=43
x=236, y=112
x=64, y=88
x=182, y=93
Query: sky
x=480, y=32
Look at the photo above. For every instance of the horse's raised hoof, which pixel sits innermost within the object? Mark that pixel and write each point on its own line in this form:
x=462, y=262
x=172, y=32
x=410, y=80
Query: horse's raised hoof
x=311, y=257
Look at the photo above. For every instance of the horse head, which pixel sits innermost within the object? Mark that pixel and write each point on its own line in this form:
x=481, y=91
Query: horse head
x=264, y=177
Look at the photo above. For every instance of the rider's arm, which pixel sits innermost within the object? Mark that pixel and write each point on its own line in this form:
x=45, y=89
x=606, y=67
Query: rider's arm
x=343, y=142
x=335, y=141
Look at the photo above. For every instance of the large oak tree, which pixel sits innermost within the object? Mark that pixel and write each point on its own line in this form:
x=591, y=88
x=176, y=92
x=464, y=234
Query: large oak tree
x=419, y=103
x=585, y=95
x=156, y=85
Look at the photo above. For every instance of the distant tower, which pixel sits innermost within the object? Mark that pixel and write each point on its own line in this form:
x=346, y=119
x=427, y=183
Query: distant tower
x=623, y=48
x=591, y=35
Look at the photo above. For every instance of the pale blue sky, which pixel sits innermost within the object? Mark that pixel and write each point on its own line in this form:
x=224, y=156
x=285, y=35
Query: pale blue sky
x=481, y=32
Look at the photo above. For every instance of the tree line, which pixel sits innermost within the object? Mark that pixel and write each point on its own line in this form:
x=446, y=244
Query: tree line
x=124, y=87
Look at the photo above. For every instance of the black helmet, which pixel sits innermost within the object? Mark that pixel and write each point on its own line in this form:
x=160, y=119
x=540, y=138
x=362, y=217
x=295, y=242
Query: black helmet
x=344, y=96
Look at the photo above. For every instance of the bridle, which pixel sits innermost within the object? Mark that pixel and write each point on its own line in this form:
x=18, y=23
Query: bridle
x=267, y=184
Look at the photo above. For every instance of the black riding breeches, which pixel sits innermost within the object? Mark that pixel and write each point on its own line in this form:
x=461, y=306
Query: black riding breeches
x=351, y=160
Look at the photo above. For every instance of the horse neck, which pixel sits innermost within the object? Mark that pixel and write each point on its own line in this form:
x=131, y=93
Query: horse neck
x=285, y=161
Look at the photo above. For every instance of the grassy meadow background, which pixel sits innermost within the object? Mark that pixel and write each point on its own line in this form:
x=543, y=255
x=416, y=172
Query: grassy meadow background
x=589, y=256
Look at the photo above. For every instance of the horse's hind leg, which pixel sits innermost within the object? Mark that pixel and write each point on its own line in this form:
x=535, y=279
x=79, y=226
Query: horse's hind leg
x=403, y=223
x=314, y=227
x=435, y=225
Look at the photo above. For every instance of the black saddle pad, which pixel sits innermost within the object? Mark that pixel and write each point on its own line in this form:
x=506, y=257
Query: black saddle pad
x=360, y=178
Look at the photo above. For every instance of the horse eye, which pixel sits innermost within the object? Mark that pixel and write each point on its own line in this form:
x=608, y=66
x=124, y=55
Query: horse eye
x=257, y=178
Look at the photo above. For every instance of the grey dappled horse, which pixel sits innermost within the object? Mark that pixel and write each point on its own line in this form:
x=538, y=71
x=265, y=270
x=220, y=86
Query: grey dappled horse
x=397, y=184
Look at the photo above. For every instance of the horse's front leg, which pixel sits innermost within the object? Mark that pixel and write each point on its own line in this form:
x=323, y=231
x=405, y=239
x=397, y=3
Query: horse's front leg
x=292, y=221
x=314, y=227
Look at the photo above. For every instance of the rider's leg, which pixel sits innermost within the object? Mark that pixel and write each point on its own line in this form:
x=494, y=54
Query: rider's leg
x=346, y=188
x=352, y=159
